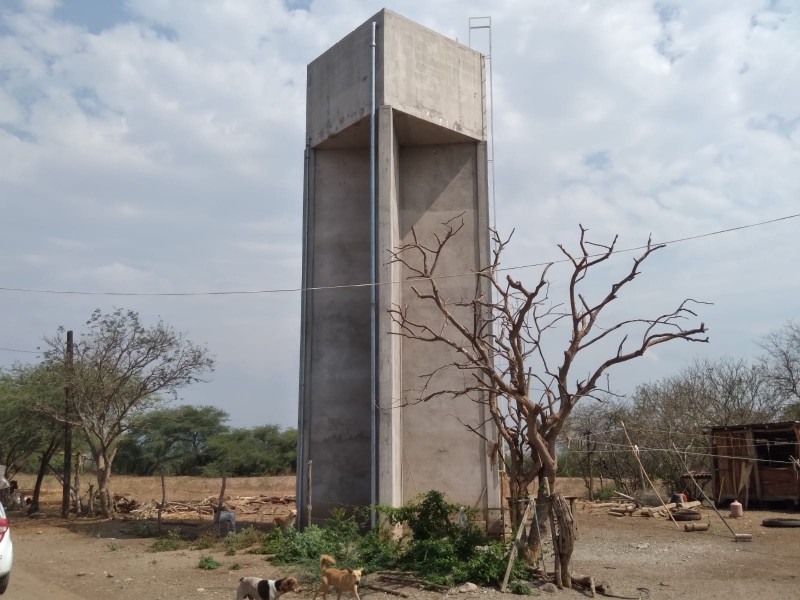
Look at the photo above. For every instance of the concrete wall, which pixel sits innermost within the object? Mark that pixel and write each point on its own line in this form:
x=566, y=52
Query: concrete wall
x=338, y=338
x=439, y=183
x=431, y=77
x=419, y=72
x=430, y=166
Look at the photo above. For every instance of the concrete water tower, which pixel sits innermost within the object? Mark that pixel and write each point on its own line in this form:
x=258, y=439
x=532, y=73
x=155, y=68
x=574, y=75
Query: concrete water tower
x=415, y=160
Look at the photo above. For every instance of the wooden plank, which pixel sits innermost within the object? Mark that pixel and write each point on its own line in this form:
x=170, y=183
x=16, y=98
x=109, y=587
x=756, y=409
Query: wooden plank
x=756, y=472
x=513, y=554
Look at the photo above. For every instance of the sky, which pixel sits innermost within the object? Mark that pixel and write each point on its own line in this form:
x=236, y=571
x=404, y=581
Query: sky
x=156, y=147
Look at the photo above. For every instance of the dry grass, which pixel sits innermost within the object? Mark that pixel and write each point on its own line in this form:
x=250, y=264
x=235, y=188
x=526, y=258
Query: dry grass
x=178, y=488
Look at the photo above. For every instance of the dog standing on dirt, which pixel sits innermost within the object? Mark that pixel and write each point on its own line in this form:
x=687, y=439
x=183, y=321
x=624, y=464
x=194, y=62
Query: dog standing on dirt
x=344, y=580
x=255, y=588
x=284, y=522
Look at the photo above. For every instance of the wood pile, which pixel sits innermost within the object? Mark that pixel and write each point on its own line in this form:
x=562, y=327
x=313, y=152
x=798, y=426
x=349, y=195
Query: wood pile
x=268, y=506
x=661, y=511
x=626, y=506
x=125, y=505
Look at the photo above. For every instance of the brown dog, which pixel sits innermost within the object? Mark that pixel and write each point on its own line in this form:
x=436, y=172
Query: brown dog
x=256, y=588
x=344, y=580
x=286, y=521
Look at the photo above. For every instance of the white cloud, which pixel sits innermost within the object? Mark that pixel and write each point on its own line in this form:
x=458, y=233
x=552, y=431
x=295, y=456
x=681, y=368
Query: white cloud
x=160, y=148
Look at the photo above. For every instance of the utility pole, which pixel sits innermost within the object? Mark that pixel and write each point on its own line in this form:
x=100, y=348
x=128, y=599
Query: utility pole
x=70, y=369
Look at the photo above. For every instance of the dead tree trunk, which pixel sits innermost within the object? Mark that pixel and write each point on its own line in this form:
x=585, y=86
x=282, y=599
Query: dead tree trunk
x=563, y=526
x=538, y=530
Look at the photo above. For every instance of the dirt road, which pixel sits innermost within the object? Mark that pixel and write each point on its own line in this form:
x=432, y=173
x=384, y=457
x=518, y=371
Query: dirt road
x=92, y=559
x=51, y=562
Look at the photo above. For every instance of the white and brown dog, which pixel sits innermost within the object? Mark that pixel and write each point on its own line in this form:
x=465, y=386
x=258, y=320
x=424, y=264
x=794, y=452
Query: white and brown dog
x=256, y=588
x=284, y=522
x=344, y=580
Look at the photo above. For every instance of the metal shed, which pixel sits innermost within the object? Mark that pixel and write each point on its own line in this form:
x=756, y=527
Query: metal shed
x=756, y=463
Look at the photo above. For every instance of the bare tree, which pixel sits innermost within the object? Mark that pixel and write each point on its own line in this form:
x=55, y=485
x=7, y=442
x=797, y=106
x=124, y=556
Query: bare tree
x=500, y=345
x=676, y=412
x=122, y=369
x=782, y=362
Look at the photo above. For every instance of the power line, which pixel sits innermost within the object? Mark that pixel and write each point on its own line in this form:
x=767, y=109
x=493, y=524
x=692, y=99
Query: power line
x=670, y=242
x=23, y=351
x=623, y=447
x=361, y=285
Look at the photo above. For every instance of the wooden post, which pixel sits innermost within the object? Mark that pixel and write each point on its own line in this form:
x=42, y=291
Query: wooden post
x=636, y=456
x=590, y=448
x=736, y=536
x=514, y=547
x=76, y=487
x=221, y=500
x=70, y=368
x=163, y=502
x=556, y=548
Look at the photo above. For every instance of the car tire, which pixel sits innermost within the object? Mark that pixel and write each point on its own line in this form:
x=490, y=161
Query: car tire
x=686, y=514
x=781, y=522
x=4, y=582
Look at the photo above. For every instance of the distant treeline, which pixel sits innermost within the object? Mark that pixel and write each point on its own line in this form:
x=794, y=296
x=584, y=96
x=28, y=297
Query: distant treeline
x=190, y=440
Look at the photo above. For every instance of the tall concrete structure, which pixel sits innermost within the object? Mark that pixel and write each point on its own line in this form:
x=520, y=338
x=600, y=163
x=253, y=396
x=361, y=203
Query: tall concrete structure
x=430, y=165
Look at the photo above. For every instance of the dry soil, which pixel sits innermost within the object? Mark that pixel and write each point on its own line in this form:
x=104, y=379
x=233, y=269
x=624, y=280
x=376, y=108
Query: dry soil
x=92, y=559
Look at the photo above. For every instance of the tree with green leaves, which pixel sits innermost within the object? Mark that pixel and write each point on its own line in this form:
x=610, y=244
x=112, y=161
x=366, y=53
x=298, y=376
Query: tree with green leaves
x=24, y=432
x=123, y=368
x=262, y=450
x=173, y=439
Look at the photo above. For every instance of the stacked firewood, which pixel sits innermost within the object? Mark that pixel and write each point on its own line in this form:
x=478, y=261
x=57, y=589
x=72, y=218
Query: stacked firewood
x=626, y=506
x=241, y=505
x=661, y=511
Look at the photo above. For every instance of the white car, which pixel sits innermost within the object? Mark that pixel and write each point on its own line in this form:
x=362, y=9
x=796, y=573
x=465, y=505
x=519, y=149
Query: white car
x=6, y=551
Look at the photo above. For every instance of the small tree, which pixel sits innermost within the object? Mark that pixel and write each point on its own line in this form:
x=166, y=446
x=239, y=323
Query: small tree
x=501, y=344
x=122, y=369
x=23, y=432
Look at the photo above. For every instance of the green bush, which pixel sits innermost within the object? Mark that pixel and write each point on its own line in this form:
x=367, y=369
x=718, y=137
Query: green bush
x=605, y=493
x=204, y=542
x=171, y=541
x=519, y=588
x=208, y=563
x=437, y=550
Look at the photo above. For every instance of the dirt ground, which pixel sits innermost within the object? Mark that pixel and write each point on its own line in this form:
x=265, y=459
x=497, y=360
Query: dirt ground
x=92, y=559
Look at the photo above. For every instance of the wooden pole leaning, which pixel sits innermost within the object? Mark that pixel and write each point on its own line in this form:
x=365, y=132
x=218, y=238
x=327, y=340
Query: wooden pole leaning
x=635, y=451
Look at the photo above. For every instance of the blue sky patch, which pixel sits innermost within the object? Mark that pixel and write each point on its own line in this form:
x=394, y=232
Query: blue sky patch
x=94, y=16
